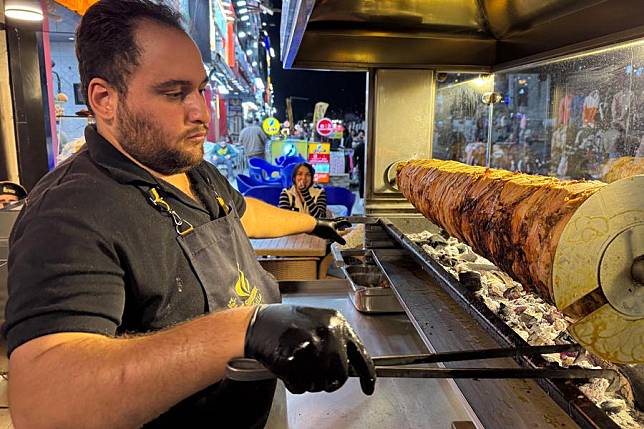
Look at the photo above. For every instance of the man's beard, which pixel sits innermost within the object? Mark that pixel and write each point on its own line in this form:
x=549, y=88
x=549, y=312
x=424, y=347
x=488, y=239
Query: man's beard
x=144, y=141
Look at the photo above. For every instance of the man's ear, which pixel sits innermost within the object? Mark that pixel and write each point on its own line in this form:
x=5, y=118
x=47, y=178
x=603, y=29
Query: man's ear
x=102, y=98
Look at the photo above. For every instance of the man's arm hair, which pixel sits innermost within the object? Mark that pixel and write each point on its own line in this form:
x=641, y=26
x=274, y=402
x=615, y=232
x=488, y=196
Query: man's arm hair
x=261, y=220
x=93, y=381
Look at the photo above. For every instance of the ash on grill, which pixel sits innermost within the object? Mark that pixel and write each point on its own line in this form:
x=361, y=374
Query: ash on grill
x=536, y=321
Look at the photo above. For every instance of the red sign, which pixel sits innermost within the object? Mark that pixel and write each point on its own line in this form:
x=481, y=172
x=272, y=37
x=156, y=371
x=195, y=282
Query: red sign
x=324, y=127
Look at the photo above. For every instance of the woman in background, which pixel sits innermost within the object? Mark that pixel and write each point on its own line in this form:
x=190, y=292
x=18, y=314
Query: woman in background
x=302, y=196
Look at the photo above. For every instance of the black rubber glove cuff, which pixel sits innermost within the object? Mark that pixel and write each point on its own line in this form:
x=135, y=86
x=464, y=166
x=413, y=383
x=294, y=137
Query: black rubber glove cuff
x=328, y=229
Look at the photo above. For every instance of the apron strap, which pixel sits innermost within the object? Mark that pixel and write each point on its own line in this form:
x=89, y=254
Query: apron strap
x=220, y=200
x=181, y=226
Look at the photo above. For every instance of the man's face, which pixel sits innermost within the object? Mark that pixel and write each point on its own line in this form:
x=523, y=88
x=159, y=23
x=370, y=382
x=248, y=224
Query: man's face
x=5, y=199
x=163, y=120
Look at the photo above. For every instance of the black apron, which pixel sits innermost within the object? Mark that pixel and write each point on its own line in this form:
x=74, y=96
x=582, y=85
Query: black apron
x=224, y=261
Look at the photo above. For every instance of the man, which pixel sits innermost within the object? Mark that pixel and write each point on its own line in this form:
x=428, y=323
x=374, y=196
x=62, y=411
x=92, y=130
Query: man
x=223, y=153
x=11, y=192
x=132, y=282
x=358, y=159
x=253, y=139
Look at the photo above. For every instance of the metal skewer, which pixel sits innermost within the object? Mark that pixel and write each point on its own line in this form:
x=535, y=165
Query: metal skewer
x=243, y=369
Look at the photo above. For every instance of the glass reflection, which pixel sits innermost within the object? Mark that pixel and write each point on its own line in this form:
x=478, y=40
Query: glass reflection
x=461, y=118
x=578, y=118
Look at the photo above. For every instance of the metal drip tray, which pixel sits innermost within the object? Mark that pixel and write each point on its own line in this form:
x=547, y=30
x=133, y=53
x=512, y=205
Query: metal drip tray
x=368, y=276
x=370, y=289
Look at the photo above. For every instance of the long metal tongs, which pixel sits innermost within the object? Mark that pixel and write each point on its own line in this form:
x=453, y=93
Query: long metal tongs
x=243, y=369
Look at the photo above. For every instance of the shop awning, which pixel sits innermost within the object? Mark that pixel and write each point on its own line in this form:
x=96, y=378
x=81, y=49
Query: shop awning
x=224, y=75
x=456, y=34
x=78, y=6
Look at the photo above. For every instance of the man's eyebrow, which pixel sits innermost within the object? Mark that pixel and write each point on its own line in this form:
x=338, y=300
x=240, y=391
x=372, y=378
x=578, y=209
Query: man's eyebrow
x=173, y=83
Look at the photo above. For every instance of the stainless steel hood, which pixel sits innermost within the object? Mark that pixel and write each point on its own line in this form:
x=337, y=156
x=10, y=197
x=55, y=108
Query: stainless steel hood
x=482, y=35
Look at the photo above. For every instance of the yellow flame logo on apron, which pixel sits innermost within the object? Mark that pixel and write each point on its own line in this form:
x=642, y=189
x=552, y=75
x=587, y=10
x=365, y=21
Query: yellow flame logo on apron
x=246, y=295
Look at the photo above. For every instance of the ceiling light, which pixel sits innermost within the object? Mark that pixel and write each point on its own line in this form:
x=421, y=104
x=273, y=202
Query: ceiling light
x=272, y=52
x=241, y=3
x=241, y=34
x=244, y=18
x=254, y=63
x=23, y=12
x=243, y=11
x=249, y=52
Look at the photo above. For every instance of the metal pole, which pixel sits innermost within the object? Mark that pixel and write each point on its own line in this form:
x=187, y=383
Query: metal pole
x=488, y=146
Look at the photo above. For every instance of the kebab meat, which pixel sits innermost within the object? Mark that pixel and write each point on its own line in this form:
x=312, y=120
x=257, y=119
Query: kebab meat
x=513, y=219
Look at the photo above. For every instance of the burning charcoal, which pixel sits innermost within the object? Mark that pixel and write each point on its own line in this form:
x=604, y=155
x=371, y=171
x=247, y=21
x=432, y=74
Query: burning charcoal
x=560, y=325
x=549, y=318
x=610, y=406
x=446, y=260
x=461, y=267
x=495, y=287
x=451, y=252
x=502, y=309
x=512, y=293
x=564, y=338
x=528, y=319
x=437, y=240
x=520, y=309
x=471, y=280
x=536, y=322
x=467, y=257
x=453, y=241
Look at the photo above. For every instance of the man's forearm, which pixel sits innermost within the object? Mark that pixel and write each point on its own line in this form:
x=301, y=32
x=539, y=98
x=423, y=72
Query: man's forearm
x=263, y=220
x=91, y=381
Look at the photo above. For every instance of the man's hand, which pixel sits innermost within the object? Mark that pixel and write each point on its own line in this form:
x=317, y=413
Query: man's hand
x=310, y=349
x=328, y=229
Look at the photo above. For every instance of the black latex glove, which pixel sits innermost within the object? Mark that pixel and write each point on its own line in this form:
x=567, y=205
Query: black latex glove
x=328, y=229
x=310, y=349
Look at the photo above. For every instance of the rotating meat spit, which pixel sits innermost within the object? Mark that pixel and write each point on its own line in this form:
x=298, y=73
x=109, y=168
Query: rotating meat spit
x=579, y=244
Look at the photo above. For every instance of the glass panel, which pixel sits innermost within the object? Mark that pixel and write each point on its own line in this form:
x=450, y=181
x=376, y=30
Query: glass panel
x=461, y=118
x=67, y=94
x=572, y=118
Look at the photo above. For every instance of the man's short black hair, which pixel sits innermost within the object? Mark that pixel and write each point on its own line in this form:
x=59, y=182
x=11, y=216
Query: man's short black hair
x=105, y=42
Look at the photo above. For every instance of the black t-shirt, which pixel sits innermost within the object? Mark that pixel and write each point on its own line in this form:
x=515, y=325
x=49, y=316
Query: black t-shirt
x=90, y=253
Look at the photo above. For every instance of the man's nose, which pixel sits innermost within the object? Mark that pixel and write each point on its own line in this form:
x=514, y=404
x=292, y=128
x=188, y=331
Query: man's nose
x=197, y=109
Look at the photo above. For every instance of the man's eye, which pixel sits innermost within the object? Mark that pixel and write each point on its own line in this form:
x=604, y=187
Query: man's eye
x=202, y=90
x=174, y=95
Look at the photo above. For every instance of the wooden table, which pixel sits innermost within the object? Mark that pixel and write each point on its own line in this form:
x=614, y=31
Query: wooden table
x=293, y=245
x=296, y=257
